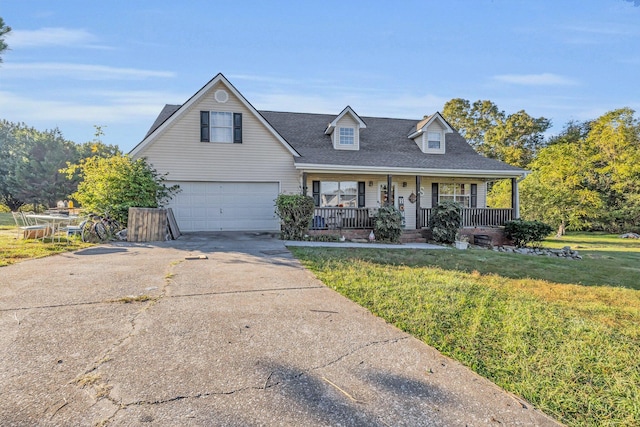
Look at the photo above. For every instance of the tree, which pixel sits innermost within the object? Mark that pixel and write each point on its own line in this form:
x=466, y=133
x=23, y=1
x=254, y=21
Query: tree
x=30, y=161
x=588, y=176
x=4, y=30
x=10, y=152
x=613, y=148
x=114, y=184
x=556, y=191
x=514, y=138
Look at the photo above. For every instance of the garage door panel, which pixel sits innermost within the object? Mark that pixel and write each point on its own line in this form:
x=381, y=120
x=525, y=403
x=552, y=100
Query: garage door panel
x=222, y=206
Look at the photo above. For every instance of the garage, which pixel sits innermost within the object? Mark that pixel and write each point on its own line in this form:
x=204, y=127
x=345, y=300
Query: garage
x=225, y=206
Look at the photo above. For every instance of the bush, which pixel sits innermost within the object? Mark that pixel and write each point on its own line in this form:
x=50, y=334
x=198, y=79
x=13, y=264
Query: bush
x=295, y=212
x=526, y=232
x=115, y=184
x=446, y=219
x=388, y=224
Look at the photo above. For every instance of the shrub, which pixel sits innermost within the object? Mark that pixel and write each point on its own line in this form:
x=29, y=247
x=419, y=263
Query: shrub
x=114, y=184
x=526, y=232
x=388, y=224
x=295, y=212
x=446, y=219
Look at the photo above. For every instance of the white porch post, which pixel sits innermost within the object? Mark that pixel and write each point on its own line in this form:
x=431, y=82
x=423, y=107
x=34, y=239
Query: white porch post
x=515, y=198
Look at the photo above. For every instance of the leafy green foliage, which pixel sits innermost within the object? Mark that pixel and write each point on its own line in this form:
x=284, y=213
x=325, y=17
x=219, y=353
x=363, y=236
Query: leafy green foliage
x=30, y=163
x=388, y=224
x=588, y=177
x=445, y=220
x=295, y=212
x=524, y=233
x=513, y=138
x=4, y=30
x=115, y=184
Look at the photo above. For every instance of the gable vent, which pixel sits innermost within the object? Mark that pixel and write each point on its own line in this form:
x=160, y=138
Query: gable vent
x=221, y=96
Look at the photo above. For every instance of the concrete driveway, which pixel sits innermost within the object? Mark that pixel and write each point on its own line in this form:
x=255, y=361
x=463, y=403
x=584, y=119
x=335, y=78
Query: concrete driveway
x=135, y=334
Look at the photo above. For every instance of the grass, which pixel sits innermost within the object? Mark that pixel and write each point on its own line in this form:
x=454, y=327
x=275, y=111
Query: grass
x=14, y=249
x=564, y=335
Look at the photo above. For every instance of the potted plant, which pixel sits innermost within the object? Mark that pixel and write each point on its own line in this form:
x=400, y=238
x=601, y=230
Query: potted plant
x=462, y=241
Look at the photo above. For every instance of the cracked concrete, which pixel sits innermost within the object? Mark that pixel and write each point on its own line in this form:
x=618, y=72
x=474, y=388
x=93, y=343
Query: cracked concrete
x=245, y=337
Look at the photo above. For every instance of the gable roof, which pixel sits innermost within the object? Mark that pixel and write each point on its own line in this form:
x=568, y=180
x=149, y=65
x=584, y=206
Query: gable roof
x=384, y=146
x=426, y=121
x=170, y=113
x=347, y=110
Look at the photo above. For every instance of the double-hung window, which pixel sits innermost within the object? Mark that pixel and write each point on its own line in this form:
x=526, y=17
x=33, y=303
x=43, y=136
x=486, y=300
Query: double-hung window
x=347, y=136
x=434, y=140
x=459, y=193
x=220, y=126
x=343, y=194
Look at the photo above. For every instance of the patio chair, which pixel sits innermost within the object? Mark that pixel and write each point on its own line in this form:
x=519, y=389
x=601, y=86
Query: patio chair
x=30, y=229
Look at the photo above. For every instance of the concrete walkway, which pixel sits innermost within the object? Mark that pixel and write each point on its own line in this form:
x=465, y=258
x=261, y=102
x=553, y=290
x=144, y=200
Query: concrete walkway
x=137, y=334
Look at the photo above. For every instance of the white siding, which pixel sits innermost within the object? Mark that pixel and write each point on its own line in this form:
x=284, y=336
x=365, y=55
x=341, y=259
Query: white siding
x=260, y=157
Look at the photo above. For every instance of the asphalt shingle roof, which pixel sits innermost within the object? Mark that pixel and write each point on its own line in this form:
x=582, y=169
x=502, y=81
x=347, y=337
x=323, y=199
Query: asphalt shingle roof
x=384, y=143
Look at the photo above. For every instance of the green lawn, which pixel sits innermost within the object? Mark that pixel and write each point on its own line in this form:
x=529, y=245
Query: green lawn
x=563, y=334
x=14, y=249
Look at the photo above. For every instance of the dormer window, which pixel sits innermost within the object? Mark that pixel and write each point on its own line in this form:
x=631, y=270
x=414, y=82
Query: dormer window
x=345, y=130
x=434, y=140
x=347, y=136
x=430, y=134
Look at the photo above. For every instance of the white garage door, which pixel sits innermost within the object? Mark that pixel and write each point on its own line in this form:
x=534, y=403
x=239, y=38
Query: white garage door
x=226, y=206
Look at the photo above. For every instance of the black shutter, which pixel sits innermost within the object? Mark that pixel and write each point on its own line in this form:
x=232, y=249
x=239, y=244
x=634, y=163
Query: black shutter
x=237, y=128
x=361, y=190
x=434, y=194
x=204, y=126
x=316, y=192
x=474, y=195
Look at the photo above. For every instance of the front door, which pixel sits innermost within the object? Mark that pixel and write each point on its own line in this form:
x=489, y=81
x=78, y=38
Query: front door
x=383, y=195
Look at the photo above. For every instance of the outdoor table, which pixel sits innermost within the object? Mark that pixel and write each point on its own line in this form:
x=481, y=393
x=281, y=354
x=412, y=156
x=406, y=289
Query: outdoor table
x=56, y=221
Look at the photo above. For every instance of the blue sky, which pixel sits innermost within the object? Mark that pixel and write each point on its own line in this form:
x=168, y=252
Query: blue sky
x=76, y=64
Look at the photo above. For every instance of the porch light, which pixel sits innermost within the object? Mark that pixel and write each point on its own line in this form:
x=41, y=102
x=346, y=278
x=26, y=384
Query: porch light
x=370, y=183
x=404, y=183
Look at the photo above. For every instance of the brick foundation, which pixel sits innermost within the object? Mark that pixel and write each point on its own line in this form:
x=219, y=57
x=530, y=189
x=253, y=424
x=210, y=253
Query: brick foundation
x=498, y=238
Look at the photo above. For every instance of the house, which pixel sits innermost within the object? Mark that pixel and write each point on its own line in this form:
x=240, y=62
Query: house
x=231, y=161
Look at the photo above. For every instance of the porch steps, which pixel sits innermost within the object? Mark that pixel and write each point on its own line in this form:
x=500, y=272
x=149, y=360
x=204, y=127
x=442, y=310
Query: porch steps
x=412, y=236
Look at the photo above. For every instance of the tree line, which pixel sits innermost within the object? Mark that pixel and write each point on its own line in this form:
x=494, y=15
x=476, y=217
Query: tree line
x=40, y=168
x=585, y=178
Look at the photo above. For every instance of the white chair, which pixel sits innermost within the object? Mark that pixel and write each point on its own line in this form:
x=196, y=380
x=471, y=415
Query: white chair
x=29, y=229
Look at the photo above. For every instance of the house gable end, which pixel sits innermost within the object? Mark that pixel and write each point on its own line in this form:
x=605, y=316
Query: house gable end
x=215, y=89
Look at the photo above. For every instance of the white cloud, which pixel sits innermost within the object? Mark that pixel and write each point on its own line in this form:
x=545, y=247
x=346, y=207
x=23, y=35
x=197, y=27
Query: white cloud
x=117, y=107
x=46, y=37
x=544, y=79
x=79, y=71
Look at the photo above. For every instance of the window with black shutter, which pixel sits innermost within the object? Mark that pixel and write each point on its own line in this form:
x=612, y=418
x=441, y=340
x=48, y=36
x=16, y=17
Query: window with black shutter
x=474, y=195
x=361, y=191
x=316, y=192
x=434, y=194
x=237, y=128
x=204, y=126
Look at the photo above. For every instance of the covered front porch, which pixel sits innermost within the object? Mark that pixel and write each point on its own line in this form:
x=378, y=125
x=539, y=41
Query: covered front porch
x=348, y=201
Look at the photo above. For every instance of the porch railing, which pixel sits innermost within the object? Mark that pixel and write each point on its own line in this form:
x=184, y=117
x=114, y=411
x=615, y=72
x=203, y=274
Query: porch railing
x=337, y=218
x=362, y=218
x=475, y=217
